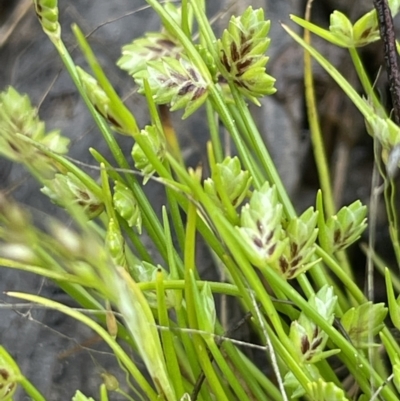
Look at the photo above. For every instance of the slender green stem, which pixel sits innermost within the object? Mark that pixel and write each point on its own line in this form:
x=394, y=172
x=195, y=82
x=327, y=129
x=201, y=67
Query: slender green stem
x=150, y=219
x=342, y=276
x=393, y=342
x=352, y=94
x=189, y=260
x=213, y=380
x=45, y=272
x=391, y=208
x=186, y=42
x=379, y=263
x=206, y=31
x=258, y=146
x=247, y=375
x=128, y=120
x=191, y=309
x=31, y=390
x=356, y=362
x=167, y=338
x=118, y=351
x=185, y=18
x=214, y=133
x=226, y=117
x=269, y=387
x=227, y=372
x=316, y=135
x=171, y=139
x=256, y=167
x=365, y=82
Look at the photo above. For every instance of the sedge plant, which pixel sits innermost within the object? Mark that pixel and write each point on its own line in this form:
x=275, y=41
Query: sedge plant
x=288, y=271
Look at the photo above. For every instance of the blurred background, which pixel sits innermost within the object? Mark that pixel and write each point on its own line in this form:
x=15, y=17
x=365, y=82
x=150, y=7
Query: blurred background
x=59, y=355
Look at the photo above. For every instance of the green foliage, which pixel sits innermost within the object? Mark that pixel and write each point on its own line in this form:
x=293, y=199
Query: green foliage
x=150, y=294
x=363, y=323
x=322, y=391
x=80, y=397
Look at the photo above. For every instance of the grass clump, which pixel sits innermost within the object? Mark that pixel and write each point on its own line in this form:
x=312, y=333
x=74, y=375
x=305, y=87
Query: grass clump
x=289, y=272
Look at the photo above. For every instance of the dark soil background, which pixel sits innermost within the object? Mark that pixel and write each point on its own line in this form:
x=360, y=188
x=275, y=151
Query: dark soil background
x=59, y=355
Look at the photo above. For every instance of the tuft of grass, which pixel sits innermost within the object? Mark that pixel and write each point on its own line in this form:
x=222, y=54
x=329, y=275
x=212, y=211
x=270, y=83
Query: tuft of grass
x=289, y=272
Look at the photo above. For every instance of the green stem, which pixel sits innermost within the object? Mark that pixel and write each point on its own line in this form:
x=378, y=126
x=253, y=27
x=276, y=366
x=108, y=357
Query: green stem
x=185, y=18
x=167, y=338
x=379, y=263
x=246, y=375
x=258, y=146
x=126, y=116
x=118, y=351
x=214, y=133
x=228, y=375
x=350, y=285
x=150, y=219
x=351, y=93
x=45, y=272
x=316, y=135
x=356, y=362
x=262, y=379
x=391, y=208
x=191, y=308
x=226, y=117
x=31, y=390
x=256, y=167
x=365, y=82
